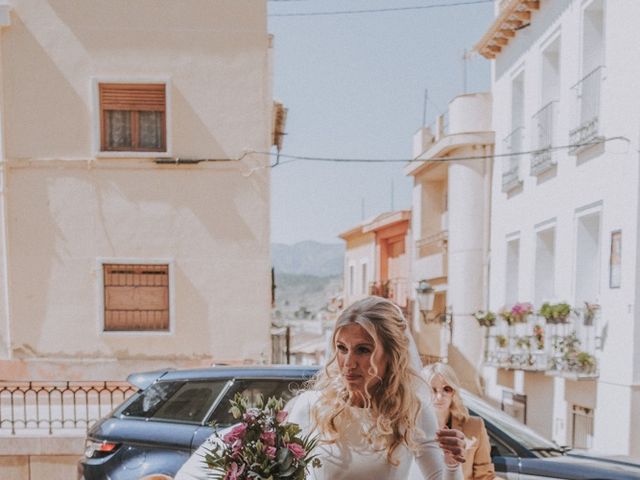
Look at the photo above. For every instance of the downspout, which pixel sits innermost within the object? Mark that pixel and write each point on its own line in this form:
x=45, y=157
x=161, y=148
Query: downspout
x=5, y=21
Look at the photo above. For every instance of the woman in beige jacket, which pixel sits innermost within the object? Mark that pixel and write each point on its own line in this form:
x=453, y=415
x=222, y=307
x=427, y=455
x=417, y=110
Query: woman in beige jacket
x=451, y=412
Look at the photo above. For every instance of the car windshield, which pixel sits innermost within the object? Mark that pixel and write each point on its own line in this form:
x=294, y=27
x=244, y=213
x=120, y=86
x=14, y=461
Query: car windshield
x=512, y=427
x=174, y=401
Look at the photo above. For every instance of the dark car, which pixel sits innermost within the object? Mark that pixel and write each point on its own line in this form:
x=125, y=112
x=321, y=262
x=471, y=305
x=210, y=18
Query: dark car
x=157, y=429
x=154, y=432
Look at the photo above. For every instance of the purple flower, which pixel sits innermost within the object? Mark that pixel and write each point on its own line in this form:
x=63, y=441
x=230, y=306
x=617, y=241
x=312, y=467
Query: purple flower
x=281, y=416
x=268, y=438
x=234, y=472
x=236, y=433
x=297, y=450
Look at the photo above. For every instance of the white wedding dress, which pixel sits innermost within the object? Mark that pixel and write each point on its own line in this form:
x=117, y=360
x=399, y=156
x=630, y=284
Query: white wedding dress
x=353, y=458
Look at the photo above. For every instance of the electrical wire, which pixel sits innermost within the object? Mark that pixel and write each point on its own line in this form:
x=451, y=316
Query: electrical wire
x=379, y=10
x=293, y=158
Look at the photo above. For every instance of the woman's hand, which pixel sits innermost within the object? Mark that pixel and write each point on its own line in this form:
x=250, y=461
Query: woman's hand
x=452, y=443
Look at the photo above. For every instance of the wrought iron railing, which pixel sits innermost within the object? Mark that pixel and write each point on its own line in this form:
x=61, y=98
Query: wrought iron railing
x=543, y=125
x=396, y=289
x=51, y=407
x=565, y=347
x=513, y=143
x=587, y=93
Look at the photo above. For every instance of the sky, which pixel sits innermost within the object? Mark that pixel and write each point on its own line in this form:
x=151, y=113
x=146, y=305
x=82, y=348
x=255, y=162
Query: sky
x=354, y=86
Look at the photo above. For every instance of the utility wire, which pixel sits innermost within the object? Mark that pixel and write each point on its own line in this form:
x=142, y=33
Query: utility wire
x=379, y=10
x=293, y=158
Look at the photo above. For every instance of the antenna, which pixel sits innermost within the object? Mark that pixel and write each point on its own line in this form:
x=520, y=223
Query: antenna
x=392, y=206
x=424, y=107
x=465, y=57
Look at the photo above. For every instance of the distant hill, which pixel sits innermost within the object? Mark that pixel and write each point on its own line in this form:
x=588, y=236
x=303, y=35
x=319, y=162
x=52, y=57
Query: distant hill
x=308, y=258
x=308, y=274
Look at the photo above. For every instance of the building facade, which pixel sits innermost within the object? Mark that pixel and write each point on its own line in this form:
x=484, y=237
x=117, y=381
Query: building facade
x=450, y=227
x=377, y=259
x=134, y=207
x=564, y=219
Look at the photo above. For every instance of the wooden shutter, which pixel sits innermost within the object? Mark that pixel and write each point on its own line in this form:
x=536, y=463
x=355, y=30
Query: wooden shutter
x=136, y=297
x=144, y=97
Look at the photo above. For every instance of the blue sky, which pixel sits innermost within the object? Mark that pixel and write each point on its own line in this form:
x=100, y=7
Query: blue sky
x=354, y=86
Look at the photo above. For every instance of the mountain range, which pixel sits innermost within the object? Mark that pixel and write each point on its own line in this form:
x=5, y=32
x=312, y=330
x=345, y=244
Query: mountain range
x=307, y=274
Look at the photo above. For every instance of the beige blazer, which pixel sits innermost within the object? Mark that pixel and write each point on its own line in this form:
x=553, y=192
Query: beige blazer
x=478, y=464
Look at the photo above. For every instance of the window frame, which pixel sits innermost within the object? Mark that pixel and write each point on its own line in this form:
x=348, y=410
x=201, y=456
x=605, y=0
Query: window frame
x=98, y=119
x=102, y=300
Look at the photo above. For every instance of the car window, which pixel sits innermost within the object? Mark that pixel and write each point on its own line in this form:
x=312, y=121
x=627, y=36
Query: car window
x=251, y=389
x=175, y=401
x=510, y=426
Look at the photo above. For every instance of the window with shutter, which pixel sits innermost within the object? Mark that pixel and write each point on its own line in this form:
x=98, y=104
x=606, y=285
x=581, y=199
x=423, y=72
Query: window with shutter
x=133, y=117
x=136, y=297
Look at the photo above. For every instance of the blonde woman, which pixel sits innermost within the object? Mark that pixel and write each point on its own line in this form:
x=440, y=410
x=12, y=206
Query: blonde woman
x=365, y=404
x=451, y=412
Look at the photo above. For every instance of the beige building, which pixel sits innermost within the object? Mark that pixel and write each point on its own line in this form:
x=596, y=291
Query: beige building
x=450, y=225
x=134, y=205
x=377, y=259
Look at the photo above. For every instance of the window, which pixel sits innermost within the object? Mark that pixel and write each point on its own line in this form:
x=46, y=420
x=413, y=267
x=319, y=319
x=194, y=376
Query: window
x=132, y=117
x=178, y=401
x=352, y=279
x=365, y=280
x=545, y=266
x=136, y=297
x=512, y=271
x=252, y=390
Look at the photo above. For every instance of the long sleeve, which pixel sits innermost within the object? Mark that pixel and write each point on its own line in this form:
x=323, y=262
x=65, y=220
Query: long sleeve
x=483, y=468
x=430, y=457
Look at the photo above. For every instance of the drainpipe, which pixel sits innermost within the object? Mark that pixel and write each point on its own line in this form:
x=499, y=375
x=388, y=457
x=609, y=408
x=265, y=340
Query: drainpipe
x=4, y=22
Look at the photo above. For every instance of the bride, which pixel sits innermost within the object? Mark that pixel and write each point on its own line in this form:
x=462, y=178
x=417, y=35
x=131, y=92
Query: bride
x=365, y=404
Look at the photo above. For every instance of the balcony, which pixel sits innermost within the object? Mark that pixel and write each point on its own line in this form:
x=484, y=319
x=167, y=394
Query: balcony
x=565, y=348
x=542, y=159
x=511, y=165
x=586, y=94
x=395, y=289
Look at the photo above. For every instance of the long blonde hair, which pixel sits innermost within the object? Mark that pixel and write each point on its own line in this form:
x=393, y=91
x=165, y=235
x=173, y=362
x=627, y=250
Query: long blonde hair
x=394, y=404
x=457, y=408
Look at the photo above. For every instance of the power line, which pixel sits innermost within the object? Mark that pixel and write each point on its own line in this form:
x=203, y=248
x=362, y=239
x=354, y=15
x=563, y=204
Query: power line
x=295, y=158
x=379, y=10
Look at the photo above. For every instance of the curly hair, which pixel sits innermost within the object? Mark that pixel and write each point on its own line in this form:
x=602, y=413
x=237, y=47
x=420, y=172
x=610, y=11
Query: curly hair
x=394, y=403
x=457, y=409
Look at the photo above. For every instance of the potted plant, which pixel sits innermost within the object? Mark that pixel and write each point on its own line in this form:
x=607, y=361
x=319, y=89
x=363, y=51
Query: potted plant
x=485, y=319
x=555, y=313
x=538, y=334
x=586, y=362
x=502, y=341
x=521, y=311
x=523, y=342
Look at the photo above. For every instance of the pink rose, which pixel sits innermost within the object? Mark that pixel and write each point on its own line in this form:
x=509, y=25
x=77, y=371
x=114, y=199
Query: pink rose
x=270, y=452
x=236, y=433
x=297, y=450
x=234, y=472
x=281, y=416
x=268, y=438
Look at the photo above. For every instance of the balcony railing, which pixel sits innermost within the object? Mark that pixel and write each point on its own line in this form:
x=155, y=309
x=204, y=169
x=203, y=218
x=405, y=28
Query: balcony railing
x=395, y=289
x=511, y=165
x=543, y=126
x=49, y=408
x=432, y=244
x=587, y=93
x=567, y=348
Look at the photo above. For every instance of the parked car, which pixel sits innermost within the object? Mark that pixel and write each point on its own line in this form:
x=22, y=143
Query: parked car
x=154, y=432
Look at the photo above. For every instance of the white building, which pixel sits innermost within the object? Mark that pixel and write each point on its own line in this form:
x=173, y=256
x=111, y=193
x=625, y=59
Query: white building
x=564, y=219
x=450, y=226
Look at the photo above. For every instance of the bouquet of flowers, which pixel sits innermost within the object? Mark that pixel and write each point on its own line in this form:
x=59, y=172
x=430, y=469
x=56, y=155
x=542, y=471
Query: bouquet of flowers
x=263, y=446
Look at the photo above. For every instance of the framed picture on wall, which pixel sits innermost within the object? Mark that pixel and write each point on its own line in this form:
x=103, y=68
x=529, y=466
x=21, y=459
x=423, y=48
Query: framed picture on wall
x=615, y=259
